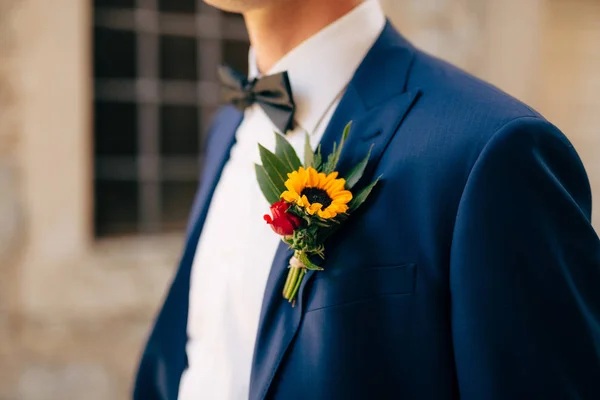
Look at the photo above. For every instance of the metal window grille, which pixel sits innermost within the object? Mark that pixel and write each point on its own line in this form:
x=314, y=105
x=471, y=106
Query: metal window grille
x=155, y=90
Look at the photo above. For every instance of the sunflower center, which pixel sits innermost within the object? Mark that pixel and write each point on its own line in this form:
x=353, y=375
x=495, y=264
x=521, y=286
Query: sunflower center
x=316, y=195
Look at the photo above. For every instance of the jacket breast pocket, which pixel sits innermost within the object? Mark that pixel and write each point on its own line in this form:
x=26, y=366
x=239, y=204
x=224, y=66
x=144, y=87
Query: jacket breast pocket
x=340, y=287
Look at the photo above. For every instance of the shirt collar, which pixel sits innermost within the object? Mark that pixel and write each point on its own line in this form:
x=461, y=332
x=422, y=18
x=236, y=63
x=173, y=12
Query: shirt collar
x=320, y=67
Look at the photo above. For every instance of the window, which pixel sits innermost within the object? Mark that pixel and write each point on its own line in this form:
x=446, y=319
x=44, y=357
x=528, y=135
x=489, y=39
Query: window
x=156, y=89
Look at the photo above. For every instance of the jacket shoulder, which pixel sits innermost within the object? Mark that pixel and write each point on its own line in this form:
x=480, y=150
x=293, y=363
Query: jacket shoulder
x=449, y=91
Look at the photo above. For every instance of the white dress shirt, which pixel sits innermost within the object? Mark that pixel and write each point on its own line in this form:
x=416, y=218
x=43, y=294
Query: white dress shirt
x=236, y=248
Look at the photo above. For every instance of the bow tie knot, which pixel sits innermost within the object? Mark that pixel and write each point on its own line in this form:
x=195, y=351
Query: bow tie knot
x=273, y=93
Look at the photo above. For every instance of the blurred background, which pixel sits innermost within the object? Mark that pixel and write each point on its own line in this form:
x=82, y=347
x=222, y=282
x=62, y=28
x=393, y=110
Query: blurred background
x=103, y=110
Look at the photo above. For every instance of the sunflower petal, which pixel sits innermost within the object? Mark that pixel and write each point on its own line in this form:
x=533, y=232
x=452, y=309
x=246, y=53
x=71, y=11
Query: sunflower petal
x=326, y=213
x=302, y=201
x=334, y=187
x=339, y=208
x=296, y=181
x=313, y=208
x=313, y=178
x=290, y=196
x=322, y=180
x=333, y=175
x=343, y=196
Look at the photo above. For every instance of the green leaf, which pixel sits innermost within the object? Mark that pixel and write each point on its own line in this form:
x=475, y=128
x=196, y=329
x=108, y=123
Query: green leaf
x=274, y=167
x=267, y=186
x=307, y=263
x=320, y=224
x=357, y=172
x=361, y=196
x=327, y=167
x=286, y=153
x=334, y=157
x=318, y=159
x=309, y=155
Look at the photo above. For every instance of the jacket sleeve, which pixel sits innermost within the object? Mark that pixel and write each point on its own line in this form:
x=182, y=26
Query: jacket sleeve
x=525, y=271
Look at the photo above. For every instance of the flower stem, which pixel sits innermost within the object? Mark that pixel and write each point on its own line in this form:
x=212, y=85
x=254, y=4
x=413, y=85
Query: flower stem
x=288, y=282
x=297, y=286
x=292, y=278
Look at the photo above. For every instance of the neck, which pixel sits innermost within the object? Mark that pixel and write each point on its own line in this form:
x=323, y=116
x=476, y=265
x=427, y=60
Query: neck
x=277, y=29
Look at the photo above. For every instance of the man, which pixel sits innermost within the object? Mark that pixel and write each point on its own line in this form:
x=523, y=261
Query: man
x=472, y=272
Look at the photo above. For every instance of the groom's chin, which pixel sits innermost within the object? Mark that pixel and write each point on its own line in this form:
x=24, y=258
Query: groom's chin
x=239, y=6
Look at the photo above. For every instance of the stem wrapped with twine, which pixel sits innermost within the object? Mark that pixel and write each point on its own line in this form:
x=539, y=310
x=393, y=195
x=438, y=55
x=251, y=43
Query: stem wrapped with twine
x=296, y=273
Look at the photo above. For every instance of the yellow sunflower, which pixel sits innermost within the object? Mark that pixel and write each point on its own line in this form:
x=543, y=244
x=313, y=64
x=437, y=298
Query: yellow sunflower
x=317, y=193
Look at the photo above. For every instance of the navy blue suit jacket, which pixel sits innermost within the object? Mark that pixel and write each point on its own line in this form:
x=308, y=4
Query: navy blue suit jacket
x=472, y=272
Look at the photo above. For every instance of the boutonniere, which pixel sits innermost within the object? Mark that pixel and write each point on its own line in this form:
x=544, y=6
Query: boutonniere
x=309, y=201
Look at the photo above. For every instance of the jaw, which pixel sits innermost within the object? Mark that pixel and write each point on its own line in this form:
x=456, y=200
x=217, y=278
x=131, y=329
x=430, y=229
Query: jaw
x=238, y=6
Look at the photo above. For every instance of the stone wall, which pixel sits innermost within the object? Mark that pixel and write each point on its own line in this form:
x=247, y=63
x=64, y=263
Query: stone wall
x=85, y=320
x=568, y=85
x=11, y=220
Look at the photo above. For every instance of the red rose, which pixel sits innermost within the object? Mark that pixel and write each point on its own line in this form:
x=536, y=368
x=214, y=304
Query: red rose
x=282, y=222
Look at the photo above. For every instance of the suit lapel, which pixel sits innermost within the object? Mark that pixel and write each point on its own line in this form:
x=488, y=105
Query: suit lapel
x=376, y=106
x=217, y=154
x=170, y=331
